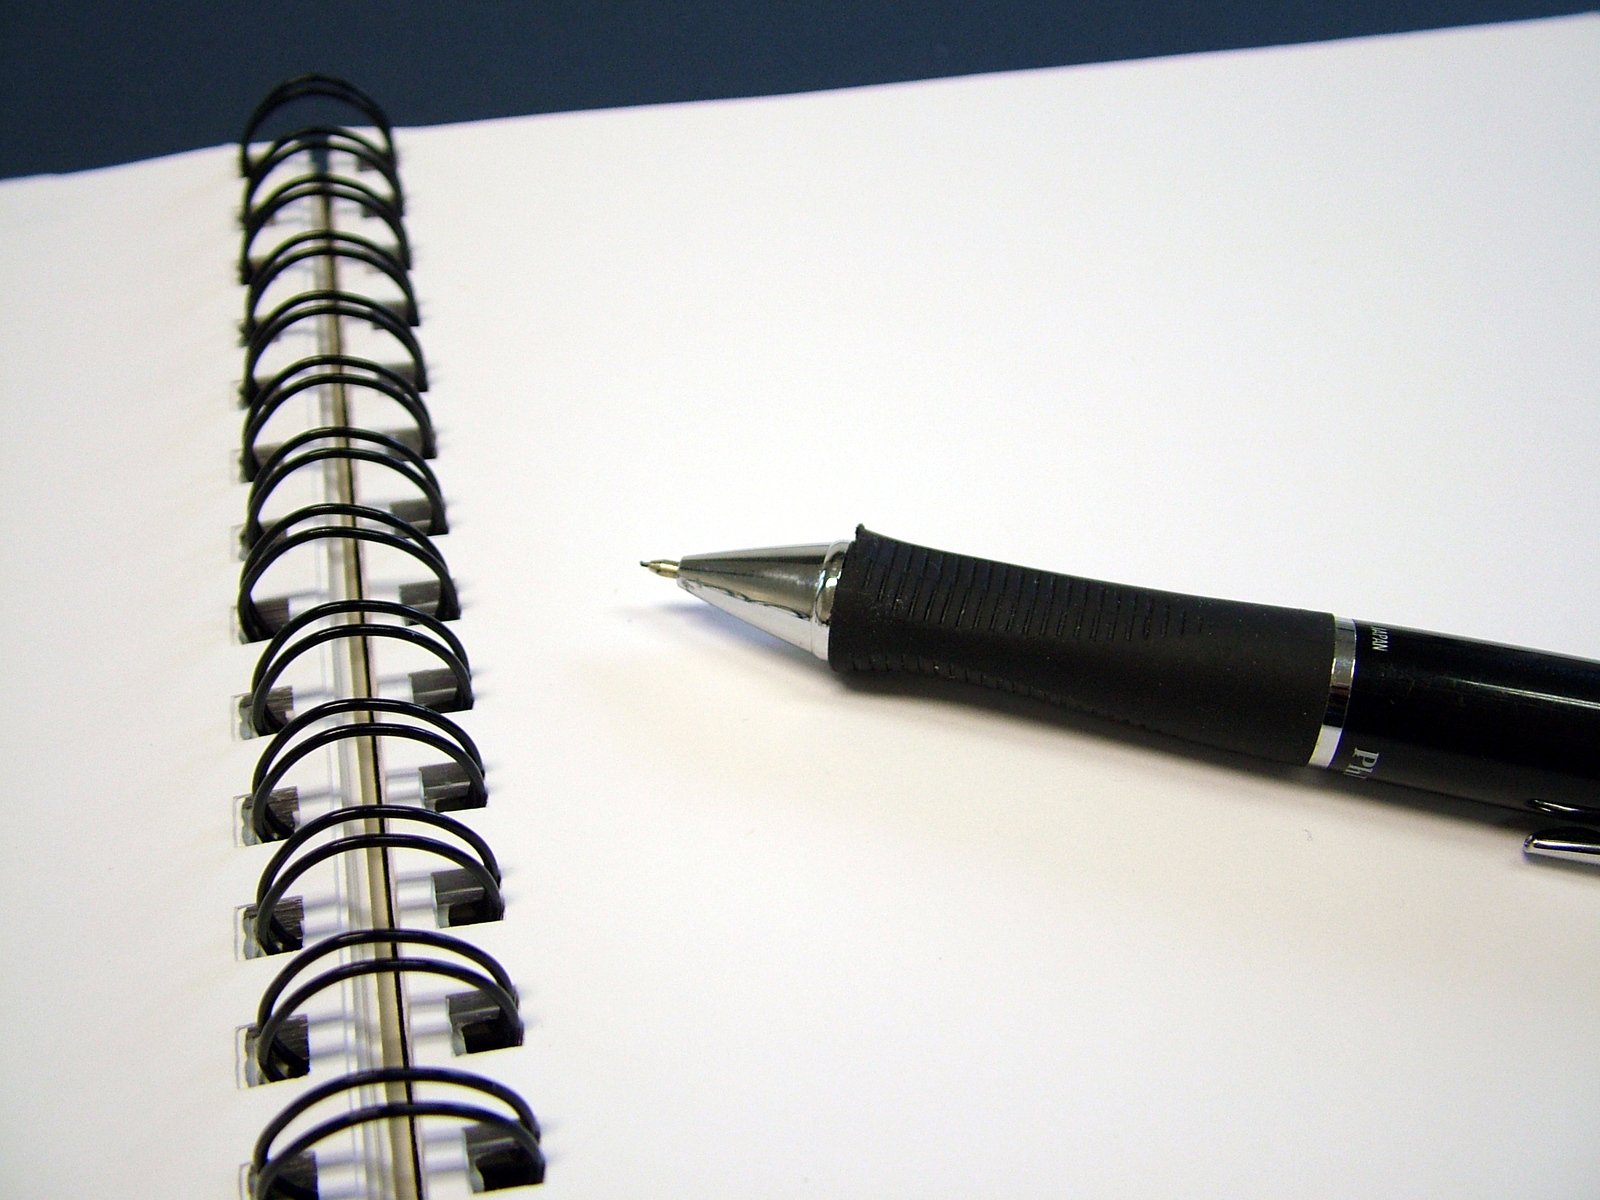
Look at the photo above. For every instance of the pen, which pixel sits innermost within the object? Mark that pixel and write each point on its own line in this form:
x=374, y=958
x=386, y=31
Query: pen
x=1507, y=726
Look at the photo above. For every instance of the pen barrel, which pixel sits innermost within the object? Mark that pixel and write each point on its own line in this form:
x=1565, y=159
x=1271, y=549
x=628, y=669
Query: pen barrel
x=1515, y=727
x=1512, y=727
x=1245, y=677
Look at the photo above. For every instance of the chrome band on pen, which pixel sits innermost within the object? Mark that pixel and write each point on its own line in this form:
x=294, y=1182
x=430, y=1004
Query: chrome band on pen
x=1565, y=845
x=1341, y=677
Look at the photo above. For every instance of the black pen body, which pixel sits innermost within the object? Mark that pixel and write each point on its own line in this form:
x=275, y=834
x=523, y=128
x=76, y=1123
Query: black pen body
x=1512, y=727
x=1477, y=719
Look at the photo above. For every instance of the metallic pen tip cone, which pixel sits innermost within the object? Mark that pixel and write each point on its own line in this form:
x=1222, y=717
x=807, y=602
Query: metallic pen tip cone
x=664, y=567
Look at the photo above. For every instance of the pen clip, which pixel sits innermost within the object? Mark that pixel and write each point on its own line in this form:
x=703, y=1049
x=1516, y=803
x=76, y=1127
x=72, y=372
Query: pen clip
x=1569, y=844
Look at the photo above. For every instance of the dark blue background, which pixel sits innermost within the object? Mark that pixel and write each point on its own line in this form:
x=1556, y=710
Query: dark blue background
x=89, y=84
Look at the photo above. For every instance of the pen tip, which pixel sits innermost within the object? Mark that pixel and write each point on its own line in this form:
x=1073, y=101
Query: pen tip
x=662, y=566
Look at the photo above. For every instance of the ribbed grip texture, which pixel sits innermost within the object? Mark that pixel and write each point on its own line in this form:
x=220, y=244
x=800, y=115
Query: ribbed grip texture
x=1246, y=677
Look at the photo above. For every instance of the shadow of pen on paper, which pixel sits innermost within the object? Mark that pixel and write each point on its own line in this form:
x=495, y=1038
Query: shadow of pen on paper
x=1025, y=709
x=696, y=615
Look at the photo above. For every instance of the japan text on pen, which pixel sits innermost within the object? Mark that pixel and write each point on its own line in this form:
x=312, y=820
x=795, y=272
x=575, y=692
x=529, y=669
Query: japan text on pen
x=1511, y=727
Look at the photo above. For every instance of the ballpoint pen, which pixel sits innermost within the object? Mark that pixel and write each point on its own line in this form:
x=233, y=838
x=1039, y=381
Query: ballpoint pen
x=1515, y=728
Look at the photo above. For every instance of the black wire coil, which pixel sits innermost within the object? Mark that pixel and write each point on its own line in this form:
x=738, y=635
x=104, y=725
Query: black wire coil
x=515, y=1157
x=273, y=1060
x=288, y=174
x=349, y=371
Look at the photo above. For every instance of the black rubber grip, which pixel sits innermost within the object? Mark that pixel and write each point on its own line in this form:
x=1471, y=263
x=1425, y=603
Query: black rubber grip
x=1247, y=677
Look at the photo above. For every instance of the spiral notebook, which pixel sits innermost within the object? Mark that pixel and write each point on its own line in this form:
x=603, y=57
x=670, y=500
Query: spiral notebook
x=376, y=827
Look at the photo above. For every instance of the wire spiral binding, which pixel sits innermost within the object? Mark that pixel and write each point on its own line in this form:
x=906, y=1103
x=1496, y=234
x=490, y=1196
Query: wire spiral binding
x=348, y=371
x=506, y=1142
x=293, y=184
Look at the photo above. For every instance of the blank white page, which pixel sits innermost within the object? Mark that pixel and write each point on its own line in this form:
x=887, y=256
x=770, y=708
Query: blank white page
x=119, y=874
x=1313, y=326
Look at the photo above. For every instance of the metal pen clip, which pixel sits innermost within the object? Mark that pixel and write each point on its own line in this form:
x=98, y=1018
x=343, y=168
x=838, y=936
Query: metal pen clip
x=1571, y=844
